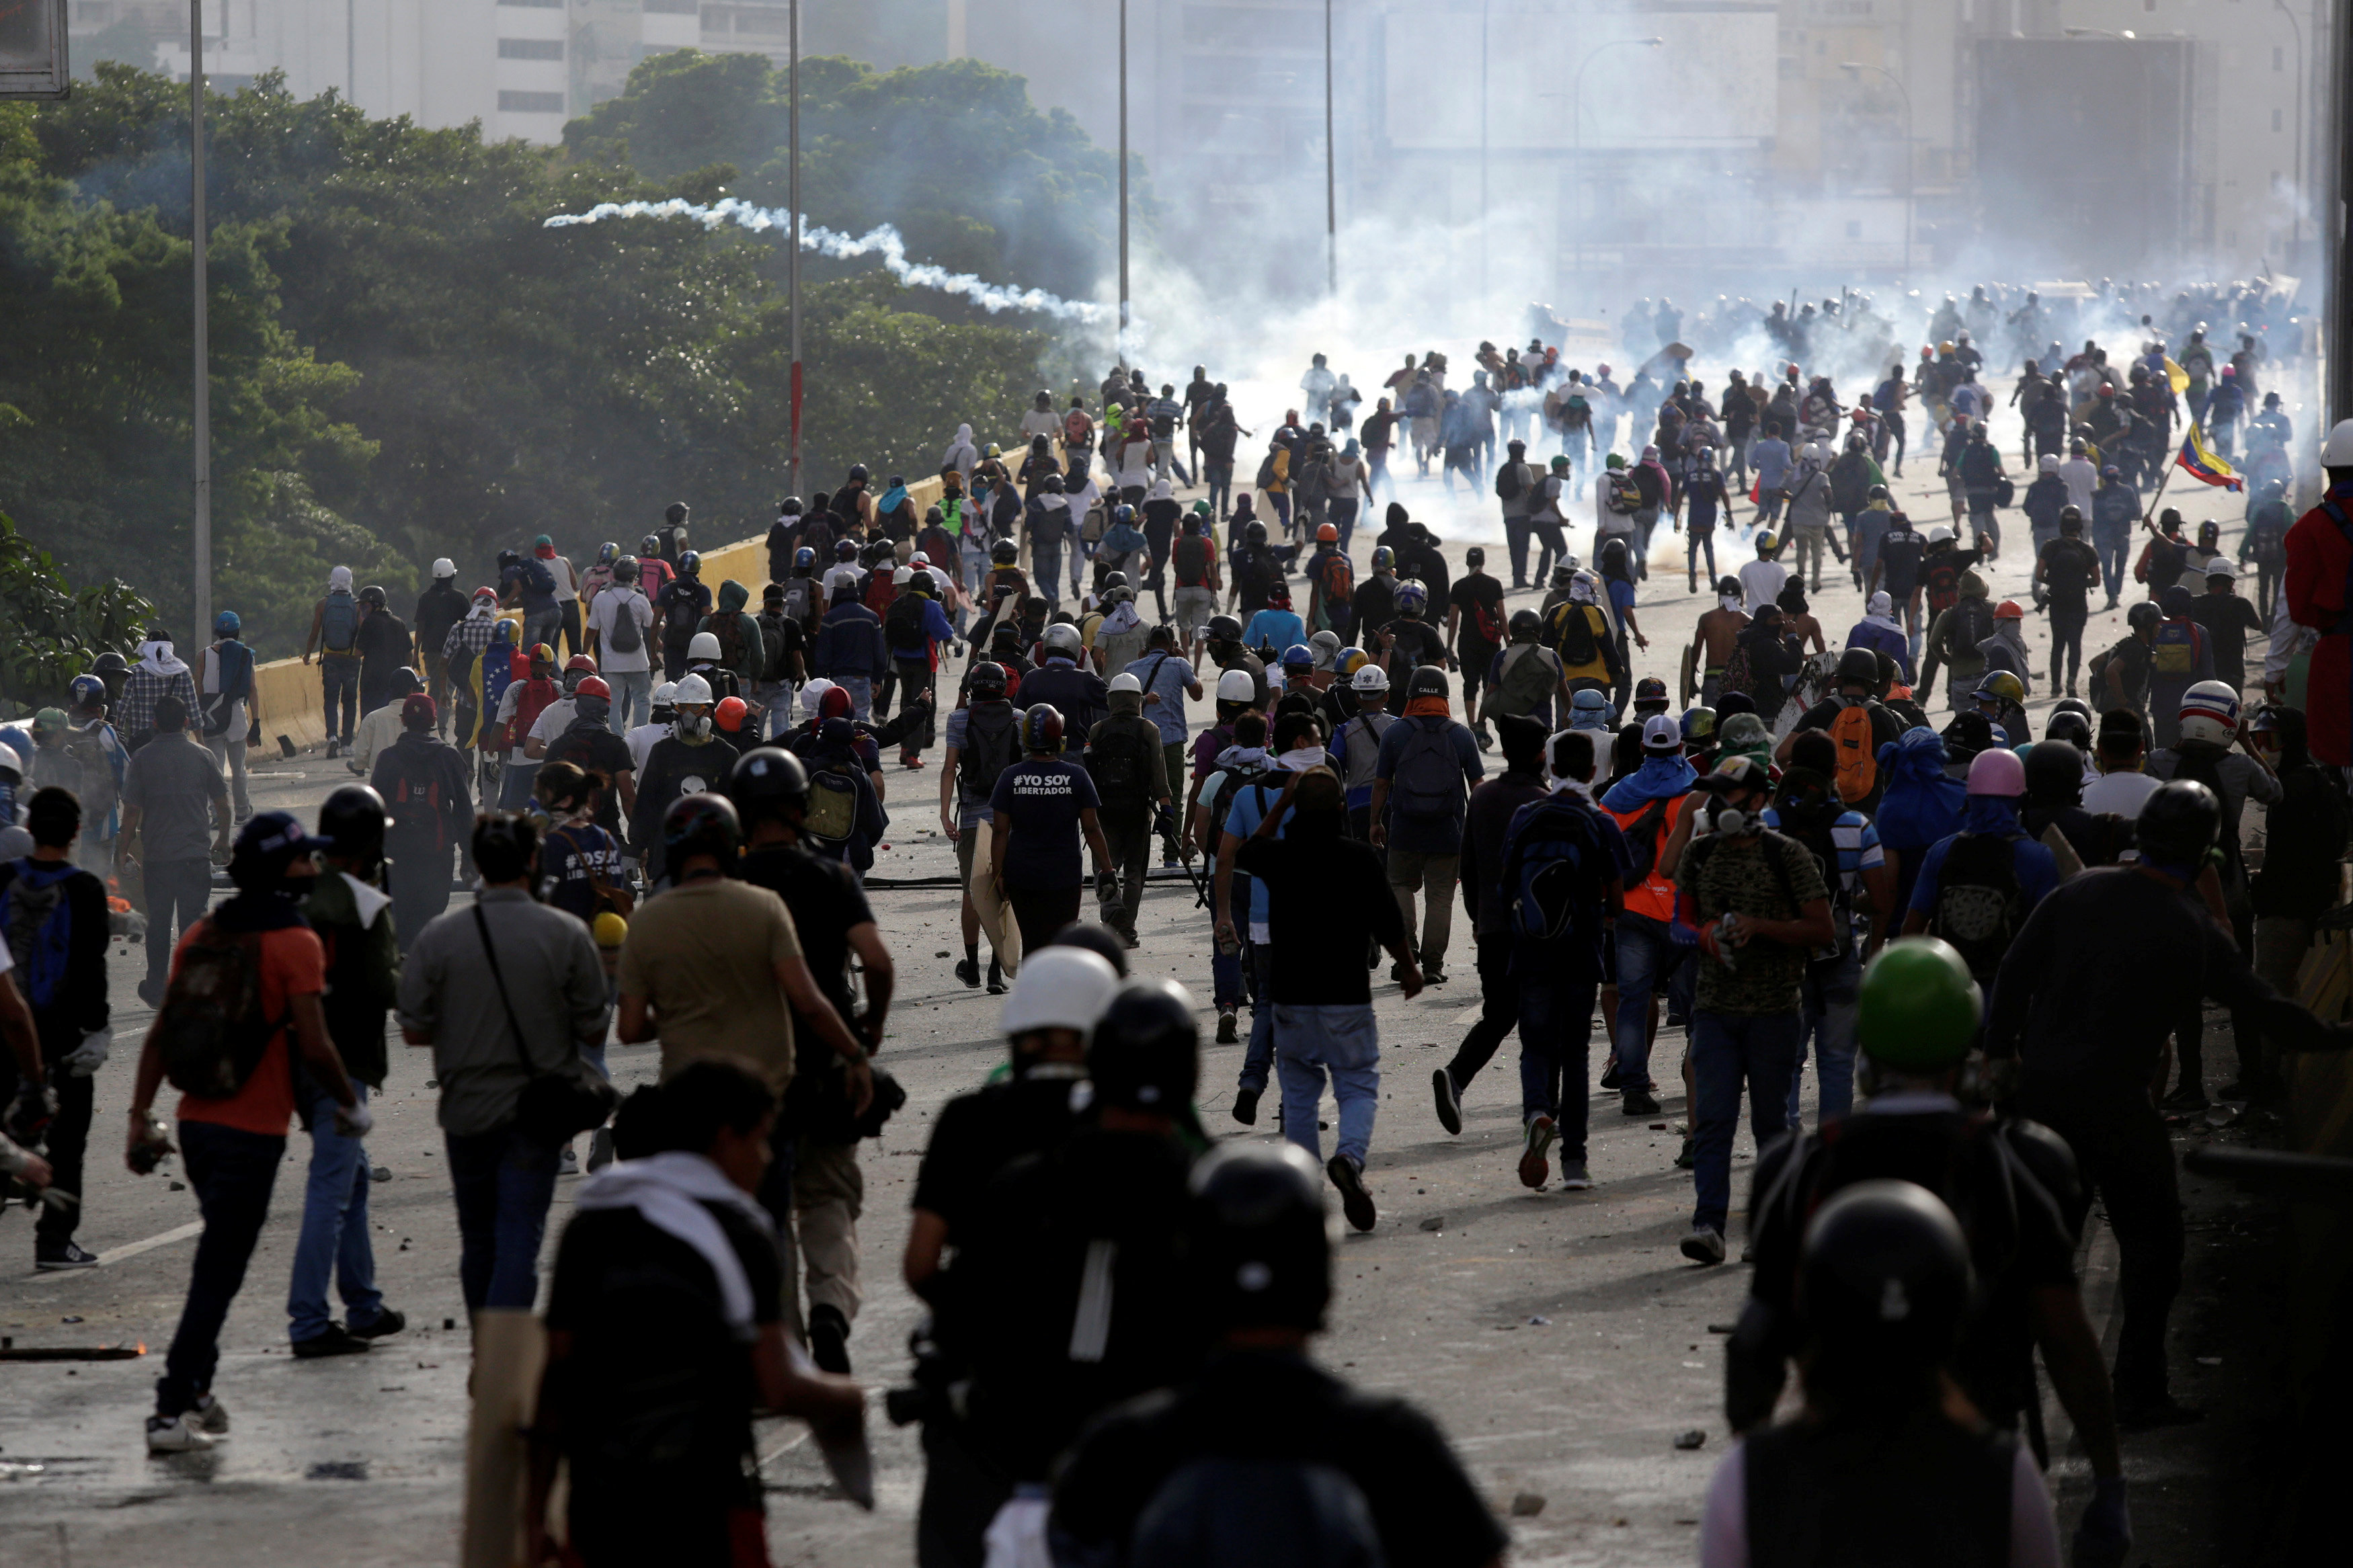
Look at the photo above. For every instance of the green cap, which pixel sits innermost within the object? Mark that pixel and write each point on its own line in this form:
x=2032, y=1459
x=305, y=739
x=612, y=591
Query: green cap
x=1613, y=462
x=1200, y=509
x=1918, y=1008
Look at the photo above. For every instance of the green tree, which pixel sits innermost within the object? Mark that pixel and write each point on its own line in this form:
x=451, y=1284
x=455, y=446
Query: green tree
x=54, y=630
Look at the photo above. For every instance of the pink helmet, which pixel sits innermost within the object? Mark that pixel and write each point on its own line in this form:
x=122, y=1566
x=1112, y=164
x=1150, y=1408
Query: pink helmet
x=1997, y=772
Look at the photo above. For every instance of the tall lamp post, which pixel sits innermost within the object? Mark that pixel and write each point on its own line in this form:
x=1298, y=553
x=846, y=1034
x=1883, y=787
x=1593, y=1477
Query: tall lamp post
x=201, y=532
x=1331, y=181
x=2302, y=134
x=1119, y=354
x=1577, y=125
x=1911, y=191
x=793, y=201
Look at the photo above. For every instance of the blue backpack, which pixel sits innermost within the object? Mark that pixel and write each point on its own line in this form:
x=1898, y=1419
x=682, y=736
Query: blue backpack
x=36, y=918
x=339, y=621
x=1553, y=868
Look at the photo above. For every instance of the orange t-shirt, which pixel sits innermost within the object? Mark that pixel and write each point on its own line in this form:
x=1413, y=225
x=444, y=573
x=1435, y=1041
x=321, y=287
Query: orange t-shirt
x=293, y=965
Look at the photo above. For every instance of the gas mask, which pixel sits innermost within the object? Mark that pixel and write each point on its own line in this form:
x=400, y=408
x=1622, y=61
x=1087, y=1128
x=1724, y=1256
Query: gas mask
x=693, y=725
x=1728, y=818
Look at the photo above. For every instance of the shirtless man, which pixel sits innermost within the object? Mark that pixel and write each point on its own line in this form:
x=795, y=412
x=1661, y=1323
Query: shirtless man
x=1797, y=618
x=1710, y=644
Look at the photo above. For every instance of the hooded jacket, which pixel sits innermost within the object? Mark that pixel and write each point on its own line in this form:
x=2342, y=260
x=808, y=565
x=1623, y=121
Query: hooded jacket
x=1952, y=639
x=751, y=655
x=1921, y=804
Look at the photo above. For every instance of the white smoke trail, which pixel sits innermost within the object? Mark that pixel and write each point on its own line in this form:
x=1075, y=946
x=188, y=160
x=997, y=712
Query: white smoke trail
x=883, y=241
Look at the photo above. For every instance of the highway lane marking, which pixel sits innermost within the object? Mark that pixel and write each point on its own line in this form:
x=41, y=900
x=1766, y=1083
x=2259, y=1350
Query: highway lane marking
x=129, y=1250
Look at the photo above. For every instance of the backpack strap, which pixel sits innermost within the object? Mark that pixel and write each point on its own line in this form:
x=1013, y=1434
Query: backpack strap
x=498, y=977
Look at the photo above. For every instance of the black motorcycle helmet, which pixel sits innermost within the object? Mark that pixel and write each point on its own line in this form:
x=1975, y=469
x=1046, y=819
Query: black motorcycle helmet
x=1004, y=552
x=1883, y=1284
x=1254, y=532
x=988, y=681
x=700, y=824
x=353, y=820
x=2178, y=824
x=1098, y=939
x=2070, y=521
x=2054, y=769
x=1858, y=667
x=1222, y=630
x=768, y=782
x=1257, y=1242
x=1146, y=1049
x=1525, y=626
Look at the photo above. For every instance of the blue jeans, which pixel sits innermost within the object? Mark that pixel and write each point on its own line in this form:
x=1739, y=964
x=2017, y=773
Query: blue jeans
x=1647, y=956
x=542, y=627
x=334, y=1239
x=232, y=1172
x=503, y=1182
x=1555, y=1034
x=1728, y=1051
x=1047, y=583
x=2114, y=547
x=1830, y=1009
x=339, y=681
x=633, y=692
x=1310, y=1042
x=861, y=694
x=1258, y=1056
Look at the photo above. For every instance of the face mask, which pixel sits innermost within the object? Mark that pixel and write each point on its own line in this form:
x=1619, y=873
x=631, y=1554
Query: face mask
x=1731, y=821
x=694, y=726
x=1728, y=600
x=596, y=709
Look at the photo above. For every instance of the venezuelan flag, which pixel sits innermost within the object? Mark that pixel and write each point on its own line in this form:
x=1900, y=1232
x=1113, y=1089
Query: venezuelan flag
x=2203, y=465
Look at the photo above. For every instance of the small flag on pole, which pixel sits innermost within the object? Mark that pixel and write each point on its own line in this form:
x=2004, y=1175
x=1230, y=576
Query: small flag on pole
x=2201, y=464
x=2175, y=377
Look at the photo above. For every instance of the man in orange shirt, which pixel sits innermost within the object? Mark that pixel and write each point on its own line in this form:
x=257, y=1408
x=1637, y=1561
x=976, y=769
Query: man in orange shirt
x=1647, y=805
x=233, y=1132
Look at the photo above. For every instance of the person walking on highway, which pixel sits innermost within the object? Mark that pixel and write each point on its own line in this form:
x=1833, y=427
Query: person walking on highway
x=335, y=637
x=225, y=693
x=422, y=780
x=176, y=808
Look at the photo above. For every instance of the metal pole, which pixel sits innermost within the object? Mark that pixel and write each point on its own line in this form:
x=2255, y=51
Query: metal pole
x=1331, y=181
x=202, y=532
x=1483, y=155
x=2338, y=345
x=793, y=201
x=1120, y=353
x=350, y=51
x=2295, y=245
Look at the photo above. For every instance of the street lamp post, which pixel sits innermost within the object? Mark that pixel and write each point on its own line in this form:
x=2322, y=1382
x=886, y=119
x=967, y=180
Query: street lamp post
x=201, y=532
x=793, y=201
x=1120, y=354
x=1483, y=155
x=1331, y=181
x=1576, y=126
x=1911, y=188
x=2295, y=245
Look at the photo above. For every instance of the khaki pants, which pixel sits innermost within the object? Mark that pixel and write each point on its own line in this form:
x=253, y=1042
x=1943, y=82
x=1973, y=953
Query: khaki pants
x=1433, y=876
x=829, y=1195
x=2281, y=943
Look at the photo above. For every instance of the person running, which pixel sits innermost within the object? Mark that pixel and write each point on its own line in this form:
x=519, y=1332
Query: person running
x=422, y=780
x=1046, y=805
x=506, y=992
x=1429, y=765
x=352, y=919
x=1487, y=900
x=176, y=808
x=1324, y=910
x=335, y=638
x=1760, y=906
x=232, y=1123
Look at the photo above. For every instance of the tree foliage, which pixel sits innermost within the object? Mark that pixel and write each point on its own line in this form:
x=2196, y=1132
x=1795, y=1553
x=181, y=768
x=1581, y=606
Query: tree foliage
x=54, y=631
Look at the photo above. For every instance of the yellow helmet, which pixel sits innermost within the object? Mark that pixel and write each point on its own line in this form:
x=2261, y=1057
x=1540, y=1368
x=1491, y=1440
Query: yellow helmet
x=1351, y=660
x=2003, y=686
x=610, y=930
x=1945, y=347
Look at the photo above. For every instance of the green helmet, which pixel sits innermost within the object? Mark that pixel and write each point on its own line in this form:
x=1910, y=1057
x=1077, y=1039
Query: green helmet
x=1918, y=1008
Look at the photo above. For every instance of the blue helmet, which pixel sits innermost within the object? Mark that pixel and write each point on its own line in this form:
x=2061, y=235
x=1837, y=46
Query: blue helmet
x=89, y=691
x=19, y=744
x=607, y=553
x=227, y=625
x=1299, y=656
x=1412, y=598
x=804, y=557
x=689, y=564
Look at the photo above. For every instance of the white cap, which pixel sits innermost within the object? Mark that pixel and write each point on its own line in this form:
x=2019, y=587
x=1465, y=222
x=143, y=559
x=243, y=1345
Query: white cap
x=2220, y=566
x=2048, y=463
x=692, y=689
x=1662, y=733
x=444, y=567
x=813, y=694
x=1938, y=534
x=1370, y=678
x=1236, y=686
x=664, y=693
x=704, y=646
x=1124, y=681
x=340, y=577
x=1060, y=988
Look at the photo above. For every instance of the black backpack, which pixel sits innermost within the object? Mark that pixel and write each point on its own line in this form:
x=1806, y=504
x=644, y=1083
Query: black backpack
x=627, y=635
x=992, y=743
x=1256, y=1513
x=1644, y=835
x=211, y=1030
x=1428, y=786
x=1979, y=904
x=1122, y=763
x=1511, y=481
x=1973, y=618
x=1578, y=645
x=902, y=626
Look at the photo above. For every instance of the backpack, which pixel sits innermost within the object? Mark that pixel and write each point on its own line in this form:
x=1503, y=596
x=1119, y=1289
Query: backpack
x=36, y=918
x=339, y=622
x=727, y=625
x=1122, y=762
x=1511, y=481
x=1980, y=903
x=1578, y=645
x=1858, y=753
x=415, y=805
x=1267, y=477
x=832, y=815
x=1943, y=581
x=1824, y=849
x=988, y=751
x=1338, y=578
x=796, y=600
x=1487, y=620
x=1428, y=786
x=1644, y=835
x=211, y=1030
x=1256, y=1513
x=902, y=628
x=880, y=591
x=1973, y=621
x=1624, y=495
x=627, y=635
x=1554, y=860
x=2174, y=652
x=1076, y=429
x=1529, y=680
x=1193, y=555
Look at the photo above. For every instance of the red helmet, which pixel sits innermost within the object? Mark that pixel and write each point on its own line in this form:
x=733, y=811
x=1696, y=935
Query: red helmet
x=584, y=663
x=1327, y=534
x=834, y=704
x=729, y=713
x=1280, y=595
x=592, y=686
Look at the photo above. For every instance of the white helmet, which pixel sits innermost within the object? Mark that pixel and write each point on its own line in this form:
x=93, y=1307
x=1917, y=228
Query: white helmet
x=1939, y=533
x=444, y=567
x=1326, y=645
x=1124, y=682
x=919, y=559
x=2210, y=713
x=1060, y=988
x=665, y=693
x=2048, y=463
x=813, y=695
x=1370, y=678
x=1062, y=639
x=902, y=576
x=2336, y=452
x=692, y=690
x=1236, y=686
x=704, y=646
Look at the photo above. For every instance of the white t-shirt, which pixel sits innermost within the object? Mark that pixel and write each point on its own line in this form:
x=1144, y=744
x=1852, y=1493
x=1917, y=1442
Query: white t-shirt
x=567, y=581
x=643, y=739
x=554, y=720
x=2122, y=795
x=1761, y=583
x=1724, y=1529
x=603, y=611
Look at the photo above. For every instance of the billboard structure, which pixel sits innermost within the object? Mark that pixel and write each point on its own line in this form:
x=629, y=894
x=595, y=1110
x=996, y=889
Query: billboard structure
x=32, y=49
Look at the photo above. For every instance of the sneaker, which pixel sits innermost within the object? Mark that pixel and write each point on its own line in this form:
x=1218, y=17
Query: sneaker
x=1433, y=974
x=1610, y=1074
x=1705, y=1245
x=1355, y=1202
x=1228, y=1031
x=828, y=1333
x=600, y=1150
x=1638, y=1103
x=62, y=1255
x=568, y=1164
x=1397, y=973
x=1246, y=1106
x=336, y=1340
x=1534, y=1166
x=968, y=971
x=1683, y=1160
x=1449, y=1096
x=385, y=1322
x=209, y=1416
x=1485, y=736
x=334, y=748
x=1574, y=1177
x=995, y=980
x=911, y=762
x=174, y=1435
x=2188, y=1097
